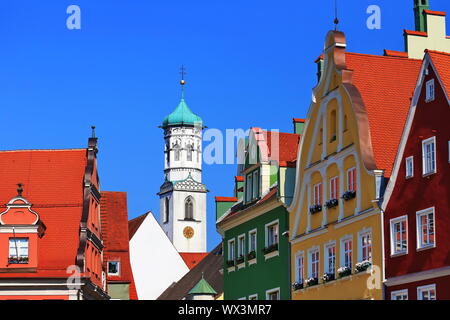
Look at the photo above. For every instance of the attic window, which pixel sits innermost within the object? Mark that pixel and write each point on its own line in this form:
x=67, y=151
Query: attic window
x=113, y=268
x=430, y=90
x=18, y=250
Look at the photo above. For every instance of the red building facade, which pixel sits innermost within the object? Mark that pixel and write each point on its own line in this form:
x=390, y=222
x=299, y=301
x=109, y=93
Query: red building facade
x=417, y=199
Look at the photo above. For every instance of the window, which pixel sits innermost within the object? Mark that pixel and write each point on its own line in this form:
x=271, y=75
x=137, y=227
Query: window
x=252, y=241
x=272, y=234
x=333, y=126
x=253, y=297
x=113, y=268
x=314, y=263
x=345, y=123
x=399, y=295
x=425, y=228
x=190, y=148
x=166, y=210
x=409, y=167
x=273, y=294
x=18, y=250
x=351, y=179
x=429, y=90
x=449, y=151
x=365, y=241
x=300, y=272
x=255, y=184
x=334, y=188
x=189, y=209
x=241, y=246
x=426, y=292
x=318, y=194
x=399, y=235
x=248, y=187
x=231, y=250
x=429, y=155
x=330, y=259
x=347, y=251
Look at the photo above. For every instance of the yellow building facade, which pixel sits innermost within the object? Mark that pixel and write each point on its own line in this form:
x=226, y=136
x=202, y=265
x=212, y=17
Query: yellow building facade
x=328, y=233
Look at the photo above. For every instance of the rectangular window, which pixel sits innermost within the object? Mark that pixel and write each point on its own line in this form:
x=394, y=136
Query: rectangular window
x=399, y=235
x=318, y=194
x=425, y=228
x=113, y=268
x=18, y=250
x=314, y=263
x=429, y=155
x=399, y=295
x=272, y=234
x=241, y=246
x=347, y=250
x=256, y=184
x=365, y=241
x=426, y=292
x=273, y=294
x=253, y=297
x=330, y=259
x=351, y=179
x=231, y=250
x=300, y=274
x=334, y=188
x=248, y=187
x=430, y=90
x=409, y=167
x=252, y=241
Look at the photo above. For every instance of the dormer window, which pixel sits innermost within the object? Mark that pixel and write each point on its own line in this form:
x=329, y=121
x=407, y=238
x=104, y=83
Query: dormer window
x=18, y=251
x=429, y=90
x=252, y=186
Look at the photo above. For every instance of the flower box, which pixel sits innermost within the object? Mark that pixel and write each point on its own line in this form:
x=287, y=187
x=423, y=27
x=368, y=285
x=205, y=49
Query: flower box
x=271, y=248
x=17, y=260
x=362, y=266
x=332, y=203
x=240, y=260
x=297, y=286
x=230, y=263
x=251, y=255
x=344, y=272
x=348, y=195
x=328, y=277
x=312, y=282
x=315, y=208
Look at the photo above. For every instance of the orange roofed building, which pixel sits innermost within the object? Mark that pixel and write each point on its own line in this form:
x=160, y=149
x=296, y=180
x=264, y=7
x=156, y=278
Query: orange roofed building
x=51, y=244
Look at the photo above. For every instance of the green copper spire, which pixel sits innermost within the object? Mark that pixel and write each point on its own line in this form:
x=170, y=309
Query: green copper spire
x=182, y=115
x=419, y=17
x=203, y=287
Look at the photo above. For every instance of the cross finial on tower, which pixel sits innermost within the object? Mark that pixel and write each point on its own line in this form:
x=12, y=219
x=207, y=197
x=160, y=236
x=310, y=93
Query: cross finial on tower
x=183, y=73
x=336, y=20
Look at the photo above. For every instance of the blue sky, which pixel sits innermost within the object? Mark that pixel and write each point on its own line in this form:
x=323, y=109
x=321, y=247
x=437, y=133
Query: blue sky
x=249, y=63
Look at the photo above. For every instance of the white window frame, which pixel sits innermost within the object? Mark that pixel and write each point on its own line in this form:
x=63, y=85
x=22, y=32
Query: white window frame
x=255, y=232
x=18, y=244
x=420, y=245
x=243, y=298
x=361, y=234
x=241, y=247
x=343, y=252
x=424, y=162
x=312, y=251
x=270, y=291
x=353, y=186
x=255, y=184
x=334, y=194
x=326, y=260
x=266, y=228
x=248, y=187
x=426, y=288
x=250, y=297
x=392, y=233
x=230, y=258
x=118, y=268
x=409, y=160
x=317, y=197
x=298, y=255
x=402, y=293
x=430, y=90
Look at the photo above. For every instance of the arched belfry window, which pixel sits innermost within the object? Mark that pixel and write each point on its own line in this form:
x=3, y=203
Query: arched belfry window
x=176, y=148
x=166, y=210
x=189, y=209
x=190, y=149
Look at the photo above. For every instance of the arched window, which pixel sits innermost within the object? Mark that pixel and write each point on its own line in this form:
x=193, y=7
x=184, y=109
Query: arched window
x=166, y=210
x=333, y=126
x=189, y=152
x=345, y=123
x=189, y=209
x=176, y=148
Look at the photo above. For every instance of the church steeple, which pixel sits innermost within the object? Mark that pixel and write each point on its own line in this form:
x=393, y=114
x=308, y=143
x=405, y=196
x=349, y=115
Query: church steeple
x=420, y=19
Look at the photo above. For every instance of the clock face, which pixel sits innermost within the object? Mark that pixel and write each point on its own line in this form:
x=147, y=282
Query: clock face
x=188, y=232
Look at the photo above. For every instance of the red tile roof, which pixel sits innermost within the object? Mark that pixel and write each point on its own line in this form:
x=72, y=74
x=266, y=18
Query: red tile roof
x=239, y=178
x=441, y=61
x=53, y=183
x=226, y=199
x=386, y=85
x=436, y=13
x=114, y=218
x=287, y=145
x=416, y=33
x=392, y=53
x=192, y=258
x=134, y=224
x=297, y=120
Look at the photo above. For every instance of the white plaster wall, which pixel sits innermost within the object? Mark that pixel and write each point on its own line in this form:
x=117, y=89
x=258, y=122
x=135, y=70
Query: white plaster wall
x=155, y=262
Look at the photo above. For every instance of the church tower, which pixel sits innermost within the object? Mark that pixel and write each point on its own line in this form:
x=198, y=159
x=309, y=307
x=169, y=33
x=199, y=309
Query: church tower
x=183, y=195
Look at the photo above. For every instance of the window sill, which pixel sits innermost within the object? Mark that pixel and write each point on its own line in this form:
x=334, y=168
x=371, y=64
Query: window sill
x=250, y=262
x=241, y=265
x=409, y=177
x=231, y=269
x=399, y=254
x=189, y=220
x=428, y=174
x=271, y=255
x=432, y=246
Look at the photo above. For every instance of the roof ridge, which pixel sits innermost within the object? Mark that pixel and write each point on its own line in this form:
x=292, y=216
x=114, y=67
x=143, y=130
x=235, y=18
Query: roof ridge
x=381, y=57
